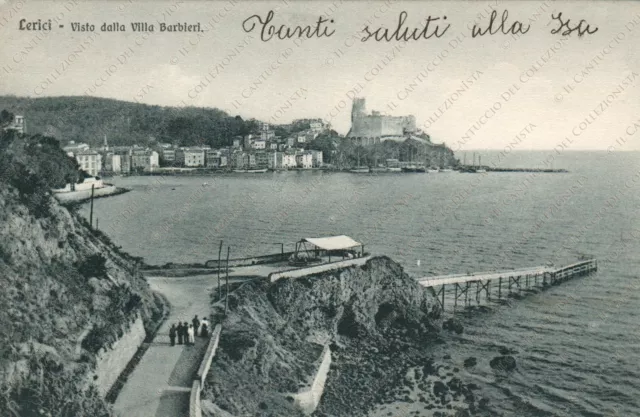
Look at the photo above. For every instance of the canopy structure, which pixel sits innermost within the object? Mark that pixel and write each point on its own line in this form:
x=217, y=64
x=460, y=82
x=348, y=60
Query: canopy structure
x=342, y=246
x=333, y=242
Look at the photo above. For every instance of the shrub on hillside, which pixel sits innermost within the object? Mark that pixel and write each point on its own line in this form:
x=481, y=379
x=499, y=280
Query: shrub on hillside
x=93, y=266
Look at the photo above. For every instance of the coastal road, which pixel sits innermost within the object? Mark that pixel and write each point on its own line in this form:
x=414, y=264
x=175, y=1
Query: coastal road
x=160, y=385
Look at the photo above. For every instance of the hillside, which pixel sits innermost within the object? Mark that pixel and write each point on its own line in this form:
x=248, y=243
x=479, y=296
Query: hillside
x=89, y=119
x=376, y=319
x=66, y=292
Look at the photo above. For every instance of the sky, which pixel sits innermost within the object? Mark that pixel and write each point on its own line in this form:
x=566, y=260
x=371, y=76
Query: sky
x=536, y=90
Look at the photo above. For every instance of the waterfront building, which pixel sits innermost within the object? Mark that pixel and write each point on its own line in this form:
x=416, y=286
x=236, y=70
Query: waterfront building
x=212, y=158
x=169, y=155
x=259, y=144
x=304, y=160
x=237, y=143
x=274, y=160
x=89, y=161
x=261, y=160
x=113, y=162
x=289, y=160
x=144, y=160
x=190, y=157
x=367, y=129
x=316, y=158
x=291, y=141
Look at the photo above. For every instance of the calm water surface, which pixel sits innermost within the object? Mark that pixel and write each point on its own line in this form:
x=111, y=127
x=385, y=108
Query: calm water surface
x=578, y=343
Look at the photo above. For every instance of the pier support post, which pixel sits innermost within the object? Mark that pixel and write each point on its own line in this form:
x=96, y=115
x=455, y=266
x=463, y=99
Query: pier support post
x=455, y=300
x=499, y=287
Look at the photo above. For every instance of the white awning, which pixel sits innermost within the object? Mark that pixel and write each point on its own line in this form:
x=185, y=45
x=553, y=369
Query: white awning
x=333, y=242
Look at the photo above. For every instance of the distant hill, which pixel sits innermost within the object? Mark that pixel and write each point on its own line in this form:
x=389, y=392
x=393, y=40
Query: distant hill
x=89, y=119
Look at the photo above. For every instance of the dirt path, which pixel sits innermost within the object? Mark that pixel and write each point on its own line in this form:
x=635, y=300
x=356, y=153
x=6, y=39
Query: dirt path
x=160, y=384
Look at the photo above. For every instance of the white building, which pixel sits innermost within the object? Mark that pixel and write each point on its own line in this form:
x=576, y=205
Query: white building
x=259, y=144
x=89, y=161
x=304, y=160
x=191, y=157
x=288, y=161
x=17, y=124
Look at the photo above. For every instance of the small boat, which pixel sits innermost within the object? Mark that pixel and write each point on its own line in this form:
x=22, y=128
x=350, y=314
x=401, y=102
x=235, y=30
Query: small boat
x=379, y=169
x=446, y=170
x=360, y=170
x=394, y=169
x=432, y=170
x=409, y=168
x=251, y=171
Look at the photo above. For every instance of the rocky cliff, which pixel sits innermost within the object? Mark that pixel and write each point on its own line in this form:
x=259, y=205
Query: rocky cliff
x=376, y=319
x=67, y=292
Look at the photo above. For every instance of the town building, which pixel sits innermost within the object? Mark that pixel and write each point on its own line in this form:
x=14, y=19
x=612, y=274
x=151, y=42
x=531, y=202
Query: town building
x=316, y=126
x=90, y=162
x=144, y=160
x=73, y=148
x=274, y=160
x=367, y=129
x=17, y=124
x=259, y=144
x=261, y=160
x=289, y=160
x=304, y=160
x=316, y=158
x=190, y=157
x=212, y=158
x=169, y=156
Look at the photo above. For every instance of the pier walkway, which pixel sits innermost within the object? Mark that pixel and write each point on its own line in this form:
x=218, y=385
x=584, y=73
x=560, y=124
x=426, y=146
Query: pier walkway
x=512, y=281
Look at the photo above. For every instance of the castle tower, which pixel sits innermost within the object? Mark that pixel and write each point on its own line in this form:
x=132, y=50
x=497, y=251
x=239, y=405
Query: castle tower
x=358, y=109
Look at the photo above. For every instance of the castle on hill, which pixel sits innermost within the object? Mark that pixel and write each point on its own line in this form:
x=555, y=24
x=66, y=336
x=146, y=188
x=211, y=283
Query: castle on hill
x=368, y=129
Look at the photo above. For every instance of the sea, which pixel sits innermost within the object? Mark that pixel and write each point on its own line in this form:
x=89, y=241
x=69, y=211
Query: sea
x=577, y=344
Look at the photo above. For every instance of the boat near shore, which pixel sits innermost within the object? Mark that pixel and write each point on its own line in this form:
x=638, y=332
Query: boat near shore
x=360, y=170
x=251, y=171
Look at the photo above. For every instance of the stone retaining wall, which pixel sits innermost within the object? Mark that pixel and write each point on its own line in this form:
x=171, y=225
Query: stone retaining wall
x=297, y=273
x=111, y=362
x=194, y=400
x=309, y=399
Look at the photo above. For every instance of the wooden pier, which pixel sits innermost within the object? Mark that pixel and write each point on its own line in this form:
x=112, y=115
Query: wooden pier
x=504, y=283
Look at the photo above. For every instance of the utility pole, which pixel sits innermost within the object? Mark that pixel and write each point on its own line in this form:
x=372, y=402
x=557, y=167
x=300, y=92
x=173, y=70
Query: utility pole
x=91, y=212
x=226, y=299
x=219, y=267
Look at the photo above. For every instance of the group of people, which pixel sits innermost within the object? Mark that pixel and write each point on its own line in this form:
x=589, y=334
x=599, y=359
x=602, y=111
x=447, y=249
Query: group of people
x=186, y=333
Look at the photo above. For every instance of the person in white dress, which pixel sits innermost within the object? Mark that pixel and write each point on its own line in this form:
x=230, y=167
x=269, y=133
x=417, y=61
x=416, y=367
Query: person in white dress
x=190, y=333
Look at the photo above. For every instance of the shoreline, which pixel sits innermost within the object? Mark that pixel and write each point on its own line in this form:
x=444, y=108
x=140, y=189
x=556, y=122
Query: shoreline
x=80, y=197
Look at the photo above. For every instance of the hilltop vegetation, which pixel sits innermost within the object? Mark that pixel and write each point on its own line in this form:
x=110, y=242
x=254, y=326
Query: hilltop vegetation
x=66, y=292
x=89, y=119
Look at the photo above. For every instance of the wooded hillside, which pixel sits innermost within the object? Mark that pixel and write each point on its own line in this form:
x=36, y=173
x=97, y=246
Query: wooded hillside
x=89, y=119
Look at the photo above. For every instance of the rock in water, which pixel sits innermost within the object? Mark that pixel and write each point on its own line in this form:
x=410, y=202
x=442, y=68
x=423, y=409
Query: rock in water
x=507, y=351
x=503, y=363
x=470, y=362
x=453, y=325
